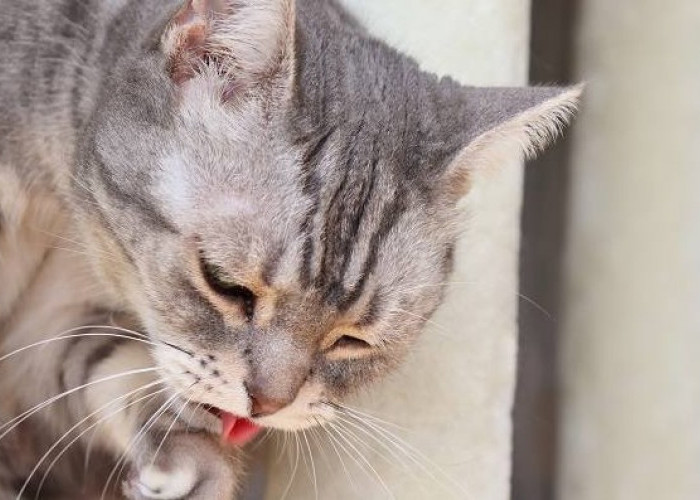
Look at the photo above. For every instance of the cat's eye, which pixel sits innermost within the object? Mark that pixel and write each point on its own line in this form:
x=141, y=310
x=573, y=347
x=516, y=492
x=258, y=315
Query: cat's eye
x=217, y=281
x=350, y=342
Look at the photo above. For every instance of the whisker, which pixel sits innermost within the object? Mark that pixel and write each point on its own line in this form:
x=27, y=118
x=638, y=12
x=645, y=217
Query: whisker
x=364, y=414
x=70, y=431
x=342, y=433
x=337, y=452
x=527, y=299
x=121, y=463
x=537, y=306
x=294, y=470
x=317, y=439
x=81, y=245
x=78, y=252
x=94, y=427
x=194, y=412
x=169, y=430
x=332, y=434
x=12, y=424
x=74, y=336
x=266, y=437
x=284, y=449
x=415, y=456
x=386, y=447
x=313, y=465
x=441, y=328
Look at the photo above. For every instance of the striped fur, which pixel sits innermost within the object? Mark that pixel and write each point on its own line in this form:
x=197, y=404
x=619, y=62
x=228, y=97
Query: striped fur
x=271, y=142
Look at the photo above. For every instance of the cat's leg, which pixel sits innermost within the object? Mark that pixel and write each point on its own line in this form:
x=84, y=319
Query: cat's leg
x=90, y=368
x=102, y=382
x=169, y=452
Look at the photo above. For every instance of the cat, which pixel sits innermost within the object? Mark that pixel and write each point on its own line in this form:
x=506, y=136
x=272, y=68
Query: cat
x=232, y=213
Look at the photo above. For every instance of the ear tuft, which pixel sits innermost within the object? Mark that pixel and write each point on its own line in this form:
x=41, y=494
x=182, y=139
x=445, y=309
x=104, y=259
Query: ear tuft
x=535, y=129
x=244, y=40
x=515, y=124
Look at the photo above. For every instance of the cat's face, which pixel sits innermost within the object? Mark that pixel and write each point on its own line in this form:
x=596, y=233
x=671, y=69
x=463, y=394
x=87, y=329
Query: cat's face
x=280, y=254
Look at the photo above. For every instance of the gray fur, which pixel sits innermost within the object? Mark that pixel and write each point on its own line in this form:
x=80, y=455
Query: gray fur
x=321, y=169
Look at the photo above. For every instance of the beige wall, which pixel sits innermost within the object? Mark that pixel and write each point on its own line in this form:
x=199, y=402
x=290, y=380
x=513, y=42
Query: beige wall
x=631, y=362
x=455, y=395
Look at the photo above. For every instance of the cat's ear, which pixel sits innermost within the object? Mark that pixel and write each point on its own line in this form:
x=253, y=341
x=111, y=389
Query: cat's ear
x=503, y=124
x=244, y=40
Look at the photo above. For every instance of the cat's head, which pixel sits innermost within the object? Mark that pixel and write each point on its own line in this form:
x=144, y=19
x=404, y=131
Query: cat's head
x=275, y=196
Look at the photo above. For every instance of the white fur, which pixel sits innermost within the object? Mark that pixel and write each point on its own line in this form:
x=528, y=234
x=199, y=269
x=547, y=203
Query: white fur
x=167, y=485
x=118, y=429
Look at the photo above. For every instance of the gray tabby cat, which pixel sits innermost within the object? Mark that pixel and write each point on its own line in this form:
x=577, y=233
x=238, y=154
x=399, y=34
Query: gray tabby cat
x=263, y=189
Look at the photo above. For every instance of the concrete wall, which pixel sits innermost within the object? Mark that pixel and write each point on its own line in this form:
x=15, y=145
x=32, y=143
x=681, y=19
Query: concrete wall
x=454, y=397
x=631, y=362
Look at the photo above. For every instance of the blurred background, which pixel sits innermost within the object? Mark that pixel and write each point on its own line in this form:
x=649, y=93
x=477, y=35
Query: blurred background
x=608, y=398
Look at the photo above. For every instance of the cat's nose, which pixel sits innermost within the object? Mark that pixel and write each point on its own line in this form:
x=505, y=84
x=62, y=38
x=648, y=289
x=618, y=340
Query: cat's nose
x=263, y=406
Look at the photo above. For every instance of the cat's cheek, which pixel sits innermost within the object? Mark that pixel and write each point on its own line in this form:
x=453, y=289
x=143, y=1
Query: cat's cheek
x=204, y=377
x=341, y=379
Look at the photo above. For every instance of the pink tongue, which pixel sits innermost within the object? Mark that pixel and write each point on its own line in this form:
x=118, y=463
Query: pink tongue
x=238, y=431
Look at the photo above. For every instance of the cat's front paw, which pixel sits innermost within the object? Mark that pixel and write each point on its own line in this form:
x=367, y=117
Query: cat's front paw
x=187, y=466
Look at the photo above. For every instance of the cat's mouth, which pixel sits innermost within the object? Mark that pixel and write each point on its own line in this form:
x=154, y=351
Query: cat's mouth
x=235, y=430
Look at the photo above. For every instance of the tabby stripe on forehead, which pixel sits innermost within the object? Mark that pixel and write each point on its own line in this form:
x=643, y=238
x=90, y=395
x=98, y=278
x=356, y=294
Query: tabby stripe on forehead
x=271, y=265
x=392, y=214
x=362, y=203
x=311, y=186
x=334, y=219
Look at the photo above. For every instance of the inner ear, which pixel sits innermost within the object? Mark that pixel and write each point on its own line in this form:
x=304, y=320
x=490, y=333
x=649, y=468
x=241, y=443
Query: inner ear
x=185, y=43
x=242, y=40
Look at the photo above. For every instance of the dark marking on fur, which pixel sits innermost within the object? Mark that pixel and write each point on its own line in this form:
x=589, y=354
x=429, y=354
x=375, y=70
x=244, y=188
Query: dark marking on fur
x=331, y=226
x=356, y=215
x=147, y=211
x=100, y=354
x=271, y=265
x=65, y=355
x=373, y=311
x=316, y=149
x=392, y=214
x=181, y=349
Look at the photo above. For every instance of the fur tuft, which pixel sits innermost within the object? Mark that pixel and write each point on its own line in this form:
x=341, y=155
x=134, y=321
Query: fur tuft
x=530, y=132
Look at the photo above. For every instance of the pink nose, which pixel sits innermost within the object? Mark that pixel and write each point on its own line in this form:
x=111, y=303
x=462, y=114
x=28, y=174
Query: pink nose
x=262, y=406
